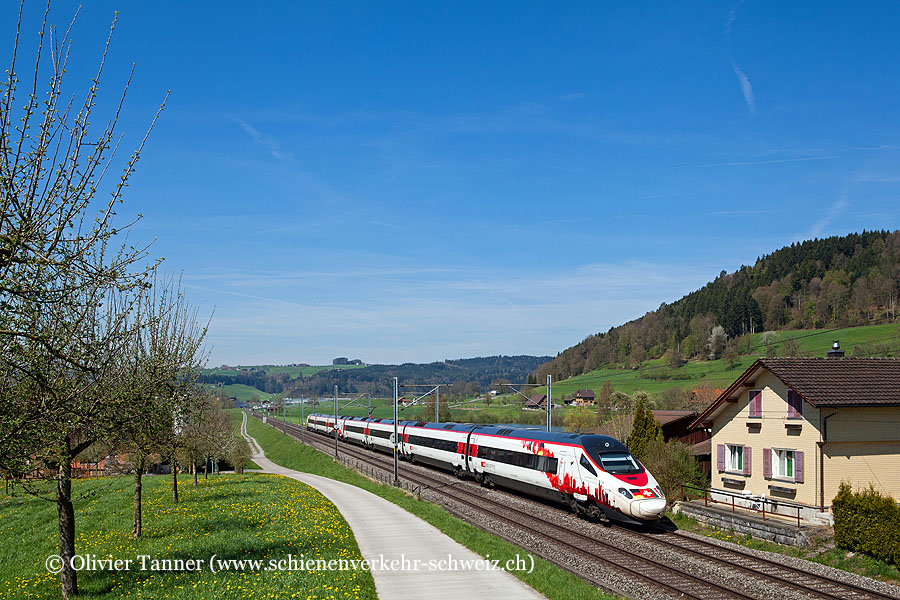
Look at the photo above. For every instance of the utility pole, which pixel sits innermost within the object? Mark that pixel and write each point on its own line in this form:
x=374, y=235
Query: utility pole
x=335, y=422
x=549, y=402
x=301, y=423
x=437, y=403
x=396, y=436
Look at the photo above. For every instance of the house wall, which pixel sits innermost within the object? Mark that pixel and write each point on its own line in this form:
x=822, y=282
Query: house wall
x=734, y=425
x=863, y=448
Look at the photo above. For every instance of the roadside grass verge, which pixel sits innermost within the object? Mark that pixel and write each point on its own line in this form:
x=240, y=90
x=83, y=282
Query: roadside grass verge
x=257, y=517
x=821, y=552
x=548, y=579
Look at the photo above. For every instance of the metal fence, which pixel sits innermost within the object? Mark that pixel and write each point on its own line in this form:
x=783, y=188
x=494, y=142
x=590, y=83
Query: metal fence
x=754, y=504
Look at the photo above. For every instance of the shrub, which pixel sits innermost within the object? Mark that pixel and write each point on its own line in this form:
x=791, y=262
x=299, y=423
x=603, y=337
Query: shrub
x=672, y=464
x=867, y=522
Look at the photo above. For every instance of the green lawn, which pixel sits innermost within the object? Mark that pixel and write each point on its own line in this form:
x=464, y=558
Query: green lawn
x=259, y=517
x=548, y=579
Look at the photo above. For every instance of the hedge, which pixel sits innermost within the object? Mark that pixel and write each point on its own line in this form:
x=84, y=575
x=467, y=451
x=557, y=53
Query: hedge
x=867, y=522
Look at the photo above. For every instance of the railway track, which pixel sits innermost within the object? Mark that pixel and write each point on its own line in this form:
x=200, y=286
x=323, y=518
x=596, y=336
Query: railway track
x=673, y=580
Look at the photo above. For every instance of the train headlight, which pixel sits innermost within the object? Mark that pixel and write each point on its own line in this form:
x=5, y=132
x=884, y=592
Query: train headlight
x=625, y=493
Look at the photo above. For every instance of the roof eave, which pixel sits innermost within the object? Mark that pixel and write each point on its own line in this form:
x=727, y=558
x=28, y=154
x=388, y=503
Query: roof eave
x=713, y=409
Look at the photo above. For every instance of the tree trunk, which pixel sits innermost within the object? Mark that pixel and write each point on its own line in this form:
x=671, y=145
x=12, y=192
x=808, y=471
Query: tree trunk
x=137, y=524
x=194, y=469
x=174, y=481
x=206, y=468
x=68, y=577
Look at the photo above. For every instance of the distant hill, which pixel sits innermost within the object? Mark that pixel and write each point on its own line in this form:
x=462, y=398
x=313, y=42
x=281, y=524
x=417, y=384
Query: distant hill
x=821, y=283
x=464, y=376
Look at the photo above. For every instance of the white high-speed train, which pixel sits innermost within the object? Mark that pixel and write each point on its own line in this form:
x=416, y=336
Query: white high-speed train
x=594, y=474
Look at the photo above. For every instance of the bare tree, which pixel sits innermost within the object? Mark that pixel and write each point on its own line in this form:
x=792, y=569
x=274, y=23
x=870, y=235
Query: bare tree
x=69, y=279
x=162, y=363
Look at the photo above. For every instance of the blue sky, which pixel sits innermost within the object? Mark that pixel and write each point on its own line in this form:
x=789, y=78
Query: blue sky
x=415, y=181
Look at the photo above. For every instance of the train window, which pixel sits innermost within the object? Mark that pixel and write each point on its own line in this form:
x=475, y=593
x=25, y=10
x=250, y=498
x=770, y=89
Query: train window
x=620, y=463
x=588, y=466
x=547, y=464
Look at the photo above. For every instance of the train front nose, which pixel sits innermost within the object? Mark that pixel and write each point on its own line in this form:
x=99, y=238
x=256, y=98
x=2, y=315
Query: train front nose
x=653, y=508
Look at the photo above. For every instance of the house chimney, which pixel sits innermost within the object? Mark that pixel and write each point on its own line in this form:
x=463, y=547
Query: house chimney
x=835, y=351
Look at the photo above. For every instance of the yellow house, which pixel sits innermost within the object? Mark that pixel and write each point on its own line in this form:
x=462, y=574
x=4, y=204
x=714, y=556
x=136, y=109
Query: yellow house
x=790, y=430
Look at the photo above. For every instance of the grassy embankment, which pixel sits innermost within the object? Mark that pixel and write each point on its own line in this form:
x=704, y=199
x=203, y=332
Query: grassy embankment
x=548, y=579
x=261, y=517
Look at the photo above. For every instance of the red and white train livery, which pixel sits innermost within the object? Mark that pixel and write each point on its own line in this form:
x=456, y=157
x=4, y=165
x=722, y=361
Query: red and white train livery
x=594, y=474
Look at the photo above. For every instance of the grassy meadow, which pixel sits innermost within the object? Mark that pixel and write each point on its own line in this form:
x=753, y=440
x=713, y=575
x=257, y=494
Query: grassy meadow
x=261, y=517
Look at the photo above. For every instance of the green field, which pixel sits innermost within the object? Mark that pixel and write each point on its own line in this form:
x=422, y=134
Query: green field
x=259, y=517
x=242, y=392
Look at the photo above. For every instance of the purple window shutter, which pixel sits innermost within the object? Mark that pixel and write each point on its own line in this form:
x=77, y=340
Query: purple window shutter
x=720, y=457
x=756, y=403
x=767, y=463
x=795, y=404
x=798, y=467
x=747, y=454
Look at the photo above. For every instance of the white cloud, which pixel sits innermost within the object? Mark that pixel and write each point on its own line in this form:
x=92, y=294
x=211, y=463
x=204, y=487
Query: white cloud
x=746, y=88
x=274, y=149
x=836, y=209
x=732, y=15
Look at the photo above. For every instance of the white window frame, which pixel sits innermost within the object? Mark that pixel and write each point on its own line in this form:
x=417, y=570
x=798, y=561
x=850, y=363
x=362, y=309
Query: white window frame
x=784, y=457
x=732, y=451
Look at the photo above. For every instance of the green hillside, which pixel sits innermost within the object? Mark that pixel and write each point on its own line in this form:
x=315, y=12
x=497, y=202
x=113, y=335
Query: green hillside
x=654, y=376
x=818, y=284
x=242, y=392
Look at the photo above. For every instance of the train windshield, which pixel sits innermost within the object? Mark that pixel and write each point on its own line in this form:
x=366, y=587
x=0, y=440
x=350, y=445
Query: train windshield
x=611, y=455
x=620, y=463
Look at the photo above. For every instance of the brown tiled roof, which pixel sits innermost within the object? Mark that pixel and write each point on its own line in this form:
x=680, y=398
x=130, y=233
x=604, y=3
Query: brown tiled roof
x=840, y=381
x=670, y=416
x=584, y=394
x=701, y=448
x=825, y=381
x=536, y=400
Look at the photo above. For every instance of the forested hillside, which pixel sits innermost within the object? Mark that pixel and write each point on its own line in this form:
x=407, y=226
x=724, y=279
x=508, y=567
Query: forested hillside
x=464, y=376
x=467, y=376
x=832, y=282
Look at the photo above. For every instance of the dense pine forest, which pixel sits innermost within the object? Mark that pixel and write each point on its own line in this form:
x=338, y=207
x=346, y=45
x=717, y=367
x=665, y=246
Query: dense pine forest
x=831, y=282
